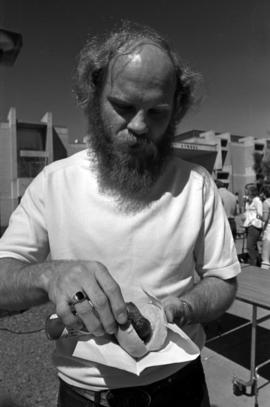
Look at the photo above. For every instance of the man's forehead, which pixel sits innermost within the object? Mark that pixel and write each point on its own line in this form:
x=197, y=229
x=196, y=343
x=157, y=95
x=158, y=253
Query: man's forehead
x=143, y=57
x=135, y=58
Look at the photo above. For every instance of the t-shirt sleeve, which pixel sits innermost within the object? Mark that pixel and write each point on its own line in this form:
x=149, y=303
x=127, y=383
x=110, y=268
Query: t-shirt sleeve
x=215, y=253
x=26, y=237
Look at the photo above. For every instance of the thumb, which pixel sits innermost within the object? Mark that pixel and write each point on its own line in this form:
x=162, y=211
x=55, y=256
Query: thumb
x=171, y=311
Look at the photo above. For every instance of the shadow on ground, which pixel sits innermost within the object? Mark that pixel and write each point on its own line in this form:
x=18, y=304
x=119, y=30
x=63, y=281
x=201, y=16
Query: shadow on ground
x=236, y=345
x=8, y=402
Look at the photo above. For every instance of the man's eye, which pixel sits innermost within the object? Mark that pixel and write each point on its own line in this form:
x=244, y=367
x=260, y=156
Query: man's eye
x=158, y=112
x=122, y=108
x=155, y=112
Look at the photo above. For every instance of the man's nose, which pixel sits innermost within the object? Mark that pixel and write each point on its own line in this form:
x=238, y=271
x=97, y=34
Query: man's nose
x=138, y=124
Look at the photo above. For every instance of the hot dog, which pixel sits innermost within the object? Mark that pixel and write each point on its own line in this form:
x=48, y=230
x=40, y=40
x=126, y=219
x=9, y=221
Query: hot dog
x=146, y=329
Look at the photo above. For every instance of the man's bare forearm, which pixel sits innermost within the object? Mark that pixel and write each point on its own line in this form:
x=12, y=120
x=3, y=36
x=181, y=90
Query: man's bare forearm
x=21, y=284
x=210, y=298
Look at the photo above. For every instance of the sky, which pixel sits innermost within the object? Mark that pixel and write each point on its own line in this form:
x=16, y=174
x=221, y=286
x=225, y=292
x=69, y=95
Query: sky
x=227, y=42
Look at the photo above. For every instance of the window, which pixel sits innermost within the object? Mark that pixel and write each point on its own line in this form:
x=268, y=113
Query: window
x=224, y=142
x=29, y=167
x=259, y=147
x=31, y=136
x=223, y=175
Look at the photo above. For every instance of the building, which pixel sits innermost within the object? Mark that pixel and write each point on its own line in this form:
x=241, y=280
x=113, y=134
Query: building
x=192, y=147
x=76, y=146
x=234, y=156
x=242, y=158
x=25, y=149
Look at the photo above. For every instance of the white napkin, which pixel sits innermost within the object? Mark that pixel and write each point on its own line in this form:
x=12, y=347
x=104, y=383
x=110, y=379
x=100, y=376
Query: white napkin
x=178, y=348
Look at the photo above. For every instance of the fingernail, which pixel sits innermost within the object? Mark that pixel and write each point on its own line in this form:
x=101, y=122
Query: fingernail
x=99, y=332
x=112, y=329
x=122, y=318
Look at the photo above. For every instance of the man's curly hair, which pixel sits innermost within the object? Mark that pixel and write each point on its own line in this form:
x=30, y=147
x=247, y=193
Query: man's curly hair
x=99, y=51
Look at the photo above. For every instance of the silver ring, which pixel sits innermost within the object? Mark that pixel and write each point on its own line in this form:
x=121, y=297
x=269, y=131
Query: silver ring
x=78, y=297
x=91, y=304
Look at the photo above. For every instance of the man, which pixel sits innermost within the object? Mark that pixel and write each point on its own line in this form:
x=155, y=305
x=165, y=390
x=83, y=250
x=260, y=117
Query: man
x=265, y=254
x=253, y=223
x=125, y=212
x=229, y=201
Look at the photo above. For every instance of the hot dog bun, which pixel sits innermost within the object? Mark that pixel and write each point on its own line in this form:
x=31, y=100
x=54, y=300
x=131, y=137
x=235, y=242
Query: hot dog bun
x=130, y=340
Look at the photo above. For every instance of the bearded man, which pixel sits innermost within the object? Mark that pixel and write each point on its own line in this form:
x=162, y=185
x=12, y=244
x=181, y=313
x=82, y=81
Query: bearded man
x=125, y=212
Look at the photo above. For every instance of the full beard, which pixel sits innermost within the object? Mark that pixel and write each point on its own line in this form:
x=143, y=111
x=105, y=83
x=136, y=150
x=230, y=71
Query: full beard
x=127, y=170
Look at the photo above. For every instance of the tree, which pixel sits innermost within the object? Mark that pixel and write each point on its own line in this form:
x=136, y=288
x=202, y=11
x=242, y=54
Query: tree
x=261, y=167
x=257, y=167
x=266, y=167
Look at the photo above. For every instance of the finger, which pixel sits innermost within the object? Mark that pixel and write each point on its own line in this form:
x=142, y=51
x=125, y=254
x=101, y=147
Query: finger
x=104, y=292
x=170, y=308
x=113, y=293
x=169, y=314
x=85, y=311
x=69, y=319
x=102, y=309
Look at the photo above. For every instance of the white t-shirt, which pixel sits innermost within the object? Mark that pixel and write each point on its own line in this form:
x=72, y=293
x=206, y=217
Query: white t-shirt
x=184, y=229
x=253, y=213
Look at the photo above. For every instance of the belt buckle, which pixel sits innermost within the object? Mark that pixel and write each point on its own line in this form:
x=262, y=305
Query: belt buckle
x=129, y=398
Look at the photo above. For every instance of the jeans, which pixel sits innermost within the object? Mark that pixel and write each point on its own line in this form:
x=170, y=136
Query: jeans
x=253, y=235
x=186, y=388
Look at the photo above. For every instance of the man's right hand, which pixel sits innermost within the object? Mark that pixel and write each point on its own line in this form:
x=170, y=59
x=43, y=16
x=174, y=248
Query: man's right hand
x=63, y=279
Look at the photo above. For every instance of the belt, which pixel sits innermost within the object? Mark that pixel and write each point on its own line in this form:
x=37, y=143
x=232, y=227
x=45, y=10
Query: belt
x=98, y=397
x=141, y=395
x=111, y=398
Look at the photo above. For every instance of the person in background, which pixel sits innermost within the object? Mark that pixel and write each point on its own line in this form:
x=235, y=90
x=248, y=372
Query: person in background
x=126, y=211
x=253, y=223
x=265, y=255
x=229, y=201
x=238, y=209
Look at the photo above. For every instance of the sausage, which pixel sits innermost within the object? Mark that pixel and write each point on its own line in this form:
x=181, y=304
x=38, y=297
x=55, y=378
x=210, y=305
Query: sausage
x=141, y=324
x=145, y=331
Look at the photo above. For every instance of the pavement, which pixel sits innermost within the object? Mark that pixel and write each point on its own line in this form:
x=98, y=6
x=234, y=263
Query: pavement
x=220, y=370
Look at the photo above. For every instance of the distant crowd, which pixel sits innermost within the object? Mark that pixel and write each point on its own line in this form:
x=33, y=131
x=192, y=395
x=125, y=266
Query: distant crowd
x=255, y=216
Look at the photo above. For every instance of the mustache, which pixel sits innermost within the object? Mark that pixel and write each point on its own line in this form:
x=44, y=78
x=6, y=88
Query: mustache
x=142, y=150
x=130, y=137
